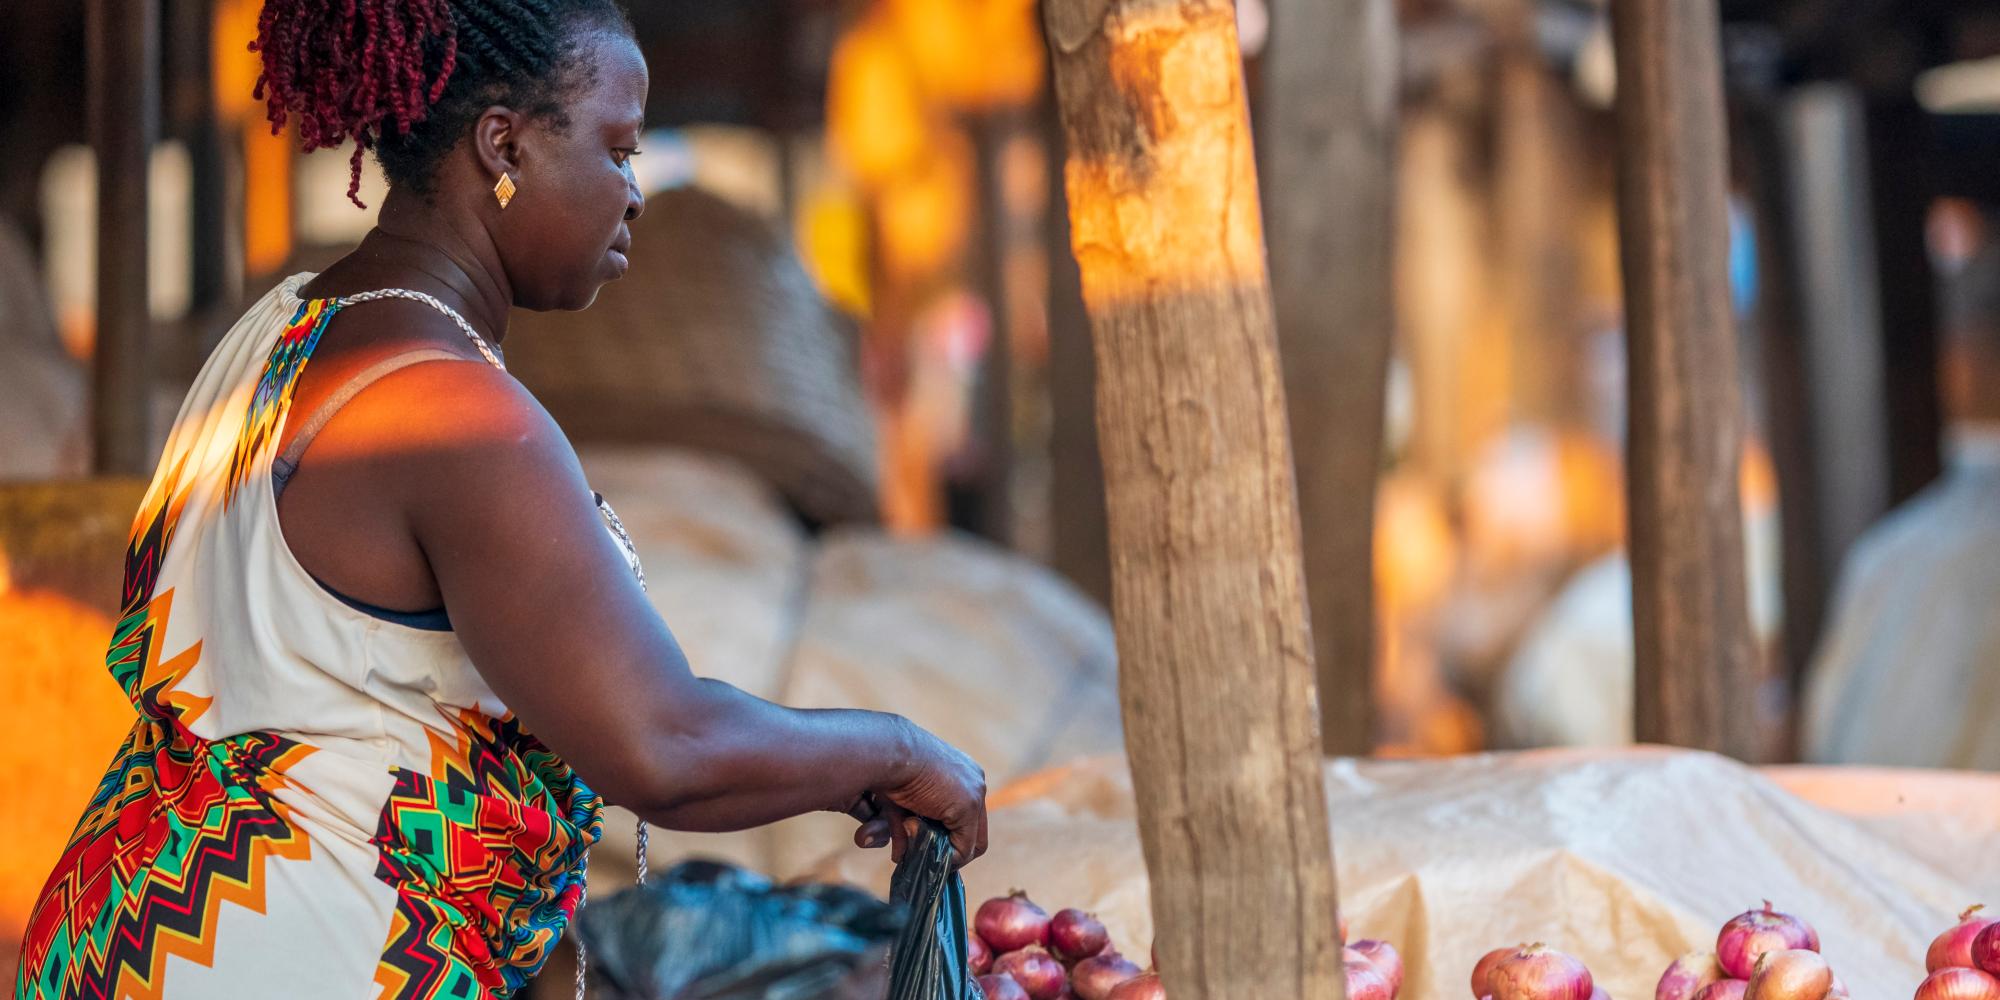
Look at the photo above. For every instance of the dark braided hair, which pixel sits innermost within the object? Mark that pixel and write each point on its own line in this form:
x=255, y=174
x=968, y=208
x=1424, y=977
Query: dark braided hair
x=406, y=78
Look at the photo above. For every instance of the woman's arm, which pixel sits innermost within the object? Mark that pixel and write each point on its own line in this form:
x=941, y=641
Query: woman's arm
x=542, y=598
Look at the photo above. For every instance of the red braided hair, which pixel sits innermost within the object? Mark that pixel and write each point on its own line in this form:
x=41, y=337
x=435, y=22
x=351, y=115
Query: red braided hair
x=406, y=78
x=346, y=77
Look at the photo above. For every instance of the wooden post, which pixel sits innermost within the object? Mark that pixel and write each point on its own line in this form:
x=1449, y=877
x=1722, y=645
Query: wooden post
x=1079, y=536
x=1823, y=128
x=1330, y=136
x=992, y=512
x=1215, y=657
x=1787, y=386
x=1900, y=153
x=1696, y=662
x=125, y=121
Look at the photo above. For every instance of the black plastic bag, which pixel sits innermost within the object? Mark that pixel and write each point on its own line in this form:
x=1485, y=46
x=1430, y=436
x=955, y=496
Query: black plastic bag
x=928, y=962
x=711, y=931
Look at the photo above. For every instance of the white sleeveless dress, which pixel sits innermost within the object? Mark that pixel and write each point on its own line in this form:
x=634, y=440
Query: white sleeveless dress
x=314, y=801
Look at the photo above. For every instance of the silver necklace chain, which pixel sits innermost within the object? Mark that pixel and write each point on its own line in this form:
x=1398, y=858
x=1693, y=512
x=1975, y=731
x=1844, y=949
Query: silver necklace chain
x=485, y=350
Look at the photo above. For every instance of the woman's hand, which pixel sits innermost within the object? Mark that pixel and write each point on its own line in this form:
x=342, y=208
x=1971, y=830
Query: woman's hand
x=940, y=783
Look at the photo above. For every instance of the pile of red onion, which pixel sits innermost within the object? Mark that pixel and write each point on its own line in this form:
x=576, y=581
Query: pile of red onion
x=1964, y=961
x=1019, y=952
x=1760, y=955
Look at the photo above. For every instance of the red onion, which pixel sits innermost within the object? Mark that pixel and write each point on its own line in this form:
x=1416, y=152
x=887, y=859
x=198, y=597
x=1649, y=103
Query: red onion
x=1953, y=948
x=1382, y=955
x=1094, y=977
x=1001, y=988
x=1011, y=922
x=1955, y=983
x=1838, y=991
x=1540, y=973
x=1366, y=982
x=1145, y=986
x=1723, y=989
x=1688, y=975
x=1747, y=936
x=978, y=957
x=1036, y=970
x=1482, y=988
x=1075, y=935
x=1986, y=950
x=1597, y=993
x=1792, y=974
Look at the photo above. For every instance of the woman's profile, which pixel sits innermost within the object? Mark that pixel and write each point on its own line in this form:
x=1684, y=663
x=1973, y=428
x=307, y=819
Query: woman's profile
x=389, y=653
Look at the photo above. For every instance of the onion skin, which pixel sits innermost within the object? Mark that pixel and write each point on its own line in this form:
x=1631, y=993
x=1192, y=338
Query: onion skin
x=1954, y=983
x=1095, y=977
x=1001, y=988
x=1382, y=955
x=1366, y=982
x=1011, y=923
x=1482, y=973
x=1986, y=950
x=1723, y=989
x=1146, y=986
x=1689, y=974
x=1036, y=970
x=1953, y=948
x=1075, y=935
x=1597, y=993
x=978, y=957
x=1792, y=974
x=1538, y=973
x=1747, y=936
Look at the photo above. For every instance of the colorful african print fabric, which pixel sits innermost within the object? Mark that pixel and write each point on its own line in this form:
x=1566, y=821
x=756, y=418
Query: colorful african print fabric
x=312, y=802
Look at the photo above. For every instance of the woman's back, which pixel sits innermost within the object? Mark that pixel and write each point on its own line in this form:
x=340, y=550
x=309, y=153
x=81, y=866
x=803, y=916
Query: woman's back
x=327, y=769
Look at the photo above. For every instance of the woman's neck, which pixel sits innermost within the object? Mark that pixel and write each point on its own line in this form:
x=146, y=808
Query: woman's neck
x=412, y=235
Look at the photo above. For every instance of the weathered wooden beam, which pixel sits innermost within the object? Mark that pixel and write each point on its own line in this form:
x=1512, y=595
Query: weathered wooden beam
x=125, y=122
x=1696, y=661
x=1215, y=658
x=1079, y=535
x=1824, y=127
x=1330, y=126
x=1899, y=162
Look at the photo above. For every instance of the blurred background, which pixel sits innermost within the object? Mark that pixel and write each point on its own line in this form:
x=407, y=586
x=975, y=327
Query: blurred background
x=852, y=301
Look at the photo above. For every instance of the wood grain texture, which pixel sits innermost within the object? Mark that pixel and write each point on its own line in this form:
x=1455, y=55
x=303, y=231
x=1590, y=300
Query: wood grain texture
x=1216, y=675
x=1691, y=627
x=1330, y=136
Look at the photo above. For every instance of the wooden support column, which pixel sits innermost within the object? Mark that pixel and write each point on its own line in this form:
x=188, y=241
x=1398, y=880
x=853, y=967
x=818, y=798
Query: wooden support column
x=1787, y=386
x=1079, y=535
x=992, y=513
x=1899, y=151
x=1824, y=129
x=1215, y=656
x=1330, y=91
x=125, y=122
x=1696, y=662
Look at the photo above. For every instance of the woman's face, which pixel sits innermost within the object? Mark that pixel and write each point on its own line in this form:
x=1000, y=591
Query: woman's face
x=564, y=234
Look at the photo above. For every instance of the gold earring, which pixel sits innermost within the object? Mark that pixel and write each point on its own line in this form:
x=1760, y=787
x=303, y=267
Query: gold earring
x=503, y=190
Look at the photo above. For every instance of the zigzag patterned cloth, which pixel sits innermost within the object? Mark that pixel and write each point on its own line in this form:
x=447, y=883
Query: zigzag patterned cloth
x=312, y=802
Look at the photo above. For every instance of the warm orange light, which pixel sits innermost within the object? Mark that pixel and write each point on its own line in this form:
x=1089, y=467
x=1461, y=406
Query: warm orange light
x=971, y=54
x=1185, y=216
x=923, y=220
x=267, y=199
x=875, y=117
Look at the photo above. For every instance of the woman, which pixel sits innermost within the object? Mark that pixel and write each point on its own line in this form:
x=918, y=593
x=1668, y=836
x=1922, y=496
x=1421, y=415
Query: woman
x=365, y=544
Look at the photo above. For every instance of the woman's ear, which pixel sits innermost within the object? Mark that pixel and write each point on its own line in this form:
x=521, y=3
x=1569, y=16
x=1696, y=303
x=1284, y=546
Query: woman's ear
x=496, y=139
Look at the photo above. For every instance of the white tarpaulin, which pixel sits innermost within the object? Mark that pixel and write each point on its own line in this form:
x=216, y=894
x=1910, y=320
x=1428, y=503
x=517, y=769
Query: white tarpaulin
x=1623, y=858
